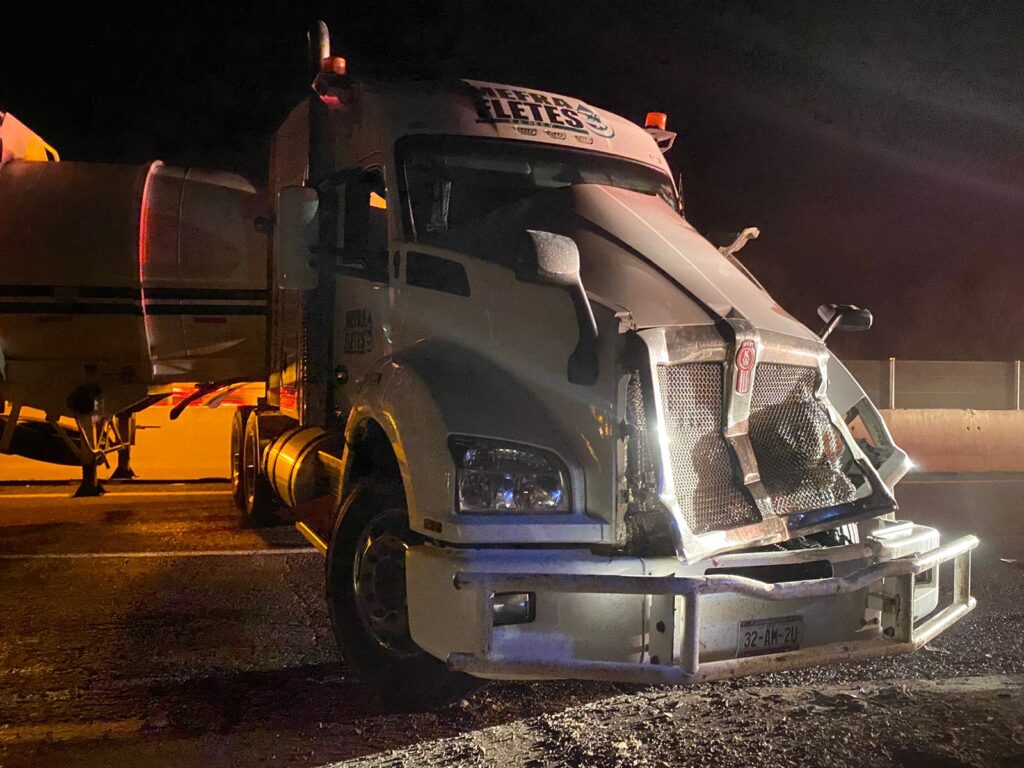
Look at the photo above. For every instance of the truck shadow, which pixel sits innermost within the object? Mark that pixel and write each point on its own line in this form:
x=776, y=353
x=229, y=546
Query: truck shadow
x=324, y=697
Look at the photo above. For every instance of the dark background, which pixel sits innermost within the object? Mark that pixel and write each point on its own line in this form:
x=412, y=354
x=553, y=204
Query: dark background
x=878, y=146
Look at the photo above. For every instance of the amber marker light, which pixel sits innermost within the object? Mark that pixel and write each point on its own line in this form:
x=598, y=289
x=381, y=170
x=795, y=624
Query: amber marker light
x=334, y=64
x=657, y=120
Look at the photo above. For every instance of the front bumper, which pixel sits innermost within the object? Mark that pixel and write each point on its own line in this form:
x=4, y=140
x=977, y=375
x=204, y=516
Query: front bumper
x=625, y=621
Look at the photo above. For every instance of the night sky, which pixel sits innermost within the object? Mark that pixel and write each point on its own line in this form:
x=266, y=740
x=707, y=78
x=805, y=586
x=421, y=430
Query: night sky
x=878, y=146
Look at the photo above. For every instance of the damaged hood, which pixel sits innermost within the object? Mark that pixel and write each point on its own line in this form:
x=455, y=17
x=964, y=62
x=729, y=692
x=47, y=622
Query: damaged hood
x=667, y=243
x=636, y=253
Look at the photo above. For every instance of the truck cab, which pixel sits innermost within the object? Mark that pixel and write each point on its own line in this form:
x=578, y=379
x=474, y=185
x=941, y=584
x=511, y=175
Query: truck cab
x=541, y=427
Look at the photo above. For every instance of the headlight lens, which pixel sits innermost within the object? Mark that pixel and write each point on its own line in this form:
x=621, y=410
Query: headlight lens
x=492, y=476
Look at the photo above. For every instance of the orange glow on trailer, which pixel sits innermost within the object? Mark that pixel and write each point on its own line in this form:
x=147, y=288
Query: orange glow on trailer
x=245, y=395
x=144, y=213
x=376, y=201
x=657, y=120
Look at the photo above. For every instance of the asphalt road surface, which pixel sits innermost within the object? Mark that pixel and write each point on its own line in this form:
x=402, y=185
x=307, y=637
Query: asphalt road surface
x=146, y=629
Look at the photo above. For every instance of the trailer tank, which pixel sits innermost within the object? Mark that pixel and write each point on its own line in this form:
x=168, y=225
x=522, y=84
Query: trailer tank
x=120, y=278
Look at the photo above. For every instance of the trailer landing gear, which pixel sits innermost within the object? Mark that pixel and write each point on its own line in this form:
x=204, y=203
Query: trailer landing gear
x=90, y=485
x=99, y=437
x=125, y=427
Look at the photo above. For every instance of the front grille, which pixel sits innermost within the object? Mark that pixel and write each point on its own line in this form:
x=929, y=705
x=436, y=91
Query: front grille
x=799, y=452
x=702, y=462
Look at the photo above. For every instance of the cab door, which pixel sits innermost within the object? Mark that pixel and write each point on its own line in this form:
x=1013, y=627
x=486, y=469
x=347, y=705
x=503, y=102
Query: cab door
x=362, y=335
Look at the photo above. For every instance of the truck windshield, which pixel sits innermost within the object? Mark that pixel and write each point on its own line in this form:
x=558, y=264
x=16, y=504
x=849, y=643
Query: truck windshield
x=457, y=182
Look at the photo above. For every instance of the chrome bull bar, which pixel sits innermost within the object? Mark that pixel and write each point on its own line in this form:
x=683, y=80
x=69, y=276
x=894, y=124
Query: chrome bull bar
x=688, y=668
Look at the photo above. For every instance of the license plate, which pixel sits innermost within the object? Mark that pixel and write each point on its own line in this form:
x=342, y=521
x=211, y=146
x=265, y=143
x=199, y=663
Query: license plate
x=755, y=637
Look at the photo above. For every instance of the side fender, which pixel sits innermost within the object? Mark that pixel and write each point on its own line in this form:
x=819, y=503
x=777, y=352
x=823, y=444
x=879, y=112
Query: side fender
x=847, y=396
x=435, y=389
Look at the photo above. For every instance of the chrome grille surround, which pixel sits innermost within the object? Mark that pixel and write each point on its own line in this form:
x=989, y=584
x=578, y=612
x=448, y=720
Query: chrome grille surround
x=752, y=425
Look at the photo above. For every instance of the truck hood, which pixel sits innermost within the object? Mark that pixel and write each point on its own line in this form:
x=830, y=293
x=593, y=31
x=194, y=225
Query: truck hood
x=664, y=240
x=637, y=254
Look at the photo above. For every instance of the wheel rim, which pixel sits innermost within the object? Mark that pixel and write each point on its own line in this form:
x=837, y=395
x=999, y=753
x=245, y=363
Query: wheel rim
x=250, y=452
x=236, y=463
x=378, y=580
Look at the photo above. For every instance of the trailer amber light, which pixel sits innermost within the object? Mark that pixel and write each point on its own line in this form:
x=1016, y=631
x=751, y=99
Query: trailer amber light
x=334, y=64
x=657, y=120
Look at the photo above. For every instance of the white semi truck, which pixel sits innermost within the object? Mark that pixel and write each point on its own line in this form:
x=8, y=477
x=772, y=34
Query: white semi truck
x=539, y=426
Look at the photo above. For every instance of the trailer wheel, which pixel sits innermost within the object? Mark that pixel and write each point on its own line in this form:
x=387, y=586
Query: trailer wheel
x=366, y=599
x=257, y=495
x=237, y=438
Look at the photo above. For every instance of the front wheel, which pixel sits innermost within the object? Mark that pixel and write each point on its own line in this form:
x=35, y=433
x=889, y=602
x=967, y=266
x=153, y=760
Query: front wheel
x=366, y=598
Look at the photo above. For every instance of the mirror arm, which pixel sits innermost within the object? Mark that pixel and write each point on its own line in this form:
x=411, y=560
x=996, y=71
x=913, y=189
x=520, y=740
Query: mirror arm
x=831, y=325
x=555, y=260
x=583, y=364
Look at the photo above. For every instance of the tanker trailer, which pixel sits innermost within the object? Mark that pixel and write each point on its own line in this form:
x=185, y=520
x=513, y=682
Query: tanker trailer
x=118, y=281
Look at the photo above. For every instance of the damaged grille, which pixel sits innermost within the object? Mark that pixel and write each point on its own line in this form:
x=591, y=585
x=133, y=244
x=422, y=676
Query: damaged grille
x=701, y=461
x=640, y=458
x=798, y=450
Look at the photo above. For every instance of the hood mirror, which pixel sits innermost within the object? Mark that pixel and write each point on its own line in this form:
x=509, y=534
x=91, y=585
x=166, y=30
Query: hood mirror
x=558, y=257
x=556, y=261
x=845, y=317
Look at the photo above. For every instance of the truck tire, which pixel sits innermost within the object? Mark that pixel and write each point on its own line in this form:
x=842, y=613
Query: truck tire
x=258, y=503
x=241, y=415
x=366, y=599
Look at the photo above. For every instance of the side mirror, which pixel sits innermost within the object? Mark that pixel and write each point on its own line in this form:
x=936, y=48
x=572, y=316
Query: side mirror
x=845, y=317
x=558, y=257
x=557, y=262
x=295, y=236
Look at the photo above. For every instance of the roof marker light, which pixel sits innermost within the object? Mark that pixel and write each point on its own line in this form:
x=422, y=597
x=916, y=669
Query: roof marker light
x=657, y=120
x=333, y=64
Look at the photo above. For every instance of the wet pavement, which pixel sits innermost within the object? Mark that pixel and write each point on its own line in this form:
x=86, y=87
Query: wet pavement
x=145, y=628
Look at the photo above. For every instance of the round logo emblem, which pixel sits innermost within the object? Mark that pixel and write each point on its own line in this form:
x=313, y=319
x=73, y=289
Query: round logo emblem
x=595, y=124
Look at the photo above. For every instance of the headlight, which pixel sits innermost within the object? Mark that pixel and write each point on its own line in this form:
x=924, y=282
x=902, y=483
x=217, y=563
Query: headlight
x=493, y=476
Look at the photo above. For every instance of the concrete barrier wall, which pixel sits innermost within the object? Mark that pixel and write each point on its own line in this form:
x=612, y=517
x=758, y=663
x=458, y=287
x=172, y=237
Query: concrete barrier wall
x=959, y=440
x=978, y=384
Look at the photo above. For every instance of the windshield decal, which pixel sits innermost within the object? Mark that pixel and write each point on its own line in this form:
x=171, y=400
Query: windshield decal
x=534, y=109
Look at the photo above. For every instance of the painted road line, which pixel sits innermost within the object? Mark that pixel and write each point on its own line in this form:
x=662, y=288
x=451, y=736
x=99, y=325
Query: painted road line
x=57, y=732
x=168, y=554
x=116, y=495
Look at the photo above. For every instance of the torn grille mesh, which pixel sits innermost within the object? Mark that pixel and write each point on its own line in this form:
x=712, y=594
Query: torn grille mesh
x=702, y=471
x=799, y=452
x=641, y=460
